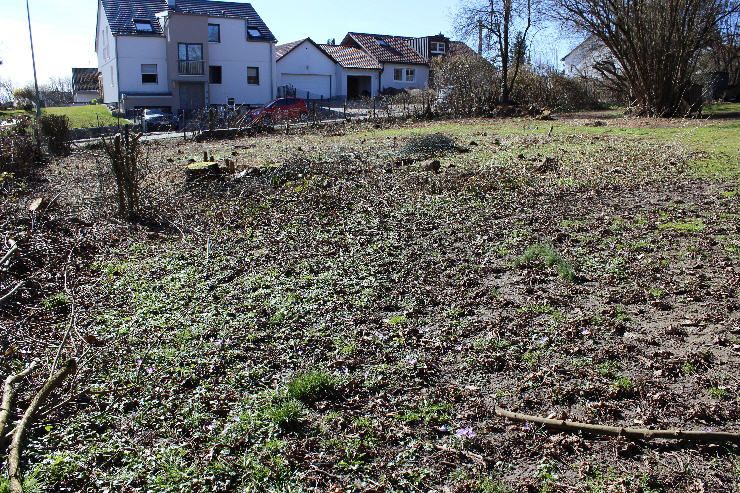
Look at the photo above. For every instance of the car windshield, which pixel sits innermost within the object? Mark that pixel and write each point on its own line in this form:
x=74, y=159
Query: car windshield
x=153, y=113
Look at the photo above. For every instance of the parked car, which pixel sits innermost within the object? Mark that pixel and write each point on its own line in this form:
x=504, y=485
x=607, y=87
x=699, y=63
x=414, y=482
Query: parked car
x=157, y=119
x=280, y=110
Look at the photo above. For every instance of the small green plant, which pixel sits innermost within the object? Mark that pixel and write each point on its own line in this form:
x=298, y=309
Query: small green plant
x=313, y=386
x=427, y=412
x=546, y=254
x=489, y=485
x=657, y=293
x=623, y=384
x=397, y=320
x=690, y=226
x=286, y=414
x=717, y=392
x=56, y=301
x=688, y=368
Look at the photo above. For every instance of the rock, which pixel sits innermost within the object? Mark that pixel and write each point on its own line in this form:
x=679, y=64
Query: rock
x=36, y=204
x=433, y=165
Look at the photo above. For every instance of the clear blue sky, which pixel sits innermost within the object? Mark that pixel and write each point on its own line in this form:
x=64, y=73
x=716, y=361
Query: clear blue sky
x=64, y=30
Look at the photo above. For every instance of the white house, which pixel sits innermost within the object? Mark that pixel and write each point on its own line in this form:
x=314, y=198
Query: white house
x=85, y=87
x=581, y=61
x=183, y=54
x=362, y=65
x=316, y=71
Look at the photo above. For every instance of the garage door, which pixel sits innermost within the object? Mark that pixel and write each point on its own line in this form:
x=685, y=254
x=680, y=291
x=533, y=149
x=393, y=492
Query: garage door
x=313, y=86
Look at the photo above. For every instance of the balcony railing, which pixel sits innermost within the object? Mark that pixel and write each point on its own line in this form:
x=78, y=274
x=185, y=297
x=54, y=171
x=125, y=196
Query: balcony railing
x=191, y=67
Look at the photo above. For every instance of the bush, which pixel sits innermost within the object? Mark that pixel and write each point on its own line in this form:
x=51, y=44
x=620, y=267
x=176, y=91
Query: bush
x=55, y=128
x=466, y=85
x=555, y=91
x=18, y=149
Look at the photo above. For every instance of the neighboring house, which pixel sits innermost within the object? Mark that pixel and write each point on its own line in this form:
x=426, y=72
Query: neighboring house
x=183, y=54
x=401, y=66
x=581, y=61
x=85, y=85
x=362, y=65
x=316, y=71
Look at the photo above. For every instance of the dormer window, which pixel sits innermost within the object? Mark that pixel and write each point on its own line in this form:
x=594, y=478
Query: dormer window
x=253, y=32
x=143, y=26
x=438, y=48
x=381, y=41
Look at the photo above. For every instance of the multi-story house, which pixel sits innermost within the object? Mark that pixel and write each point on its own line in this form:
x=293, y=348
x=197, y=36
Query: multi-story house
x=183, y=54
x=362, y=65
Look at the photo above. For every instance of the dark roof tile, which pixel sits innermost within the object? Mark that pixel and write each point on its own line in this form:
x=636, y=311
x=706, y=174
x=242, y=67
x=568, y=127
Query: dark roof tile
x=385, y=48
x=121, y=14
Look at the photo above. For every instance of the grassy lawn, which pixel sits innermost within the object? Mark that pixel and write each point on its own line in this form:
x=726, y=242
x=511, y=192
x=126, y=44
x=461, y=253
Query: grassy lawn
x=79, y=116
x=346, y=317
x=723, y=110
x=86, y=116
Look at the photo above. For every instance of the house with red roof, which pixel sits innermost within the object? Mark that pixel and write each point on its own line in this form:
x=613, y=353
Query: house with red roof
x=362, y=65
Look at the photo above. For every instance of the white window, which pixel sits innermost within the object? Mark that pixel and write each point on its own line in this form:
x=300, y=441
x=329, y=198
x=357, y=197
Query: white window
x=398, y=75
x=410, y=75
x=438, y=48
x=149, y=74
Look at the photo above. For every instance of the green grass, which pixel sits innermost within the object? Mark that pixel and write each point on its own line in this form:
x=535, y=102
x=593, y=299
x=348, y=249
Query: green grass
x=312, y=387
x=690, y=226
x=722, y=109
x=551, y=258
x=87, y=116
x=9, y=115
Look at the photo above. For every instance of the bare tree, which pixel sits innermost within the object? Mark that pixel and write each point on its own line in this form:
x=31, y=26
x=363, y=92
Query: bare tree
x=503, y=28
x=6, y=91
x=655, y=45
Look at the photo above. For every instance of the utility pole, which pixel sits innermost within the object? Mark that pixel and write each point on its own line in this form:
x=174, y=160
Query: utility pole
x=33, y=59
x=480, y=37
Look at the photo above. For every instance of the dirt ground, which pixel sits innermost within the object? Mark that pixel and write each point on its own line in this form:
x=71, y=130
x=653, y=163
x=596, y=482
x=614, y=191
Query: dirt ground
x=348, y=314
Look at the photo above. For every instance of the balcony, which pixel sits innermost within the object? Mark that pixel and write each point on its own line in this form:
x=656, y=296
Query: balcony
x=191, y=67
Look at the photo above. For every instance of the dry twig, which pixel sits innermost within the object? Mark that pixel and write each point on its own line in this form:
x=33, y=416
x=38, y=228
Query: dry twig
x=635, y=433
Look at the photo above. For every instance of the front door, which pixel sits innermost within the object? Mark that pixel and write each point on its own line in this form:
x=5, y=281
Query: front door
x=192, y=96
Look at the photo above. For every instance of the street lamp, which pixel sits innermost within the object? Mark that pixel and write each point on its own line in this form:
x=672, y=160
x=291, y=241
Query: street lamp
x=33, y=59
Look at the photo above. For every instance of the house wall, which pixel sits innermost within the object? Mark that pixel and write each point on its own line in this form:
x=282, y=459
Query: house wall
x=135, y=51
x=105, y=45
x=342, y=74
x=85, y=97
x=307, y=60
x=421, y=82
x=234, y=54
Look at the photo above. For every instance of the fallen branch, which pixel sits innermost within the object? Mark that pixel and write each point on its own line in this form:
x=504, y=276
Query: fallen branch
x=637, y=433
x=13, y=249
x=14, y=454
x=8, y=394
x=10, y=293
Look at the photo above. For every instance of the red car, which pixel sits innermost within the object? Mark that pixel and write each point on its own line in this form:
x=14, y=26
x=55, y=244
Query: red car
x=280, y=110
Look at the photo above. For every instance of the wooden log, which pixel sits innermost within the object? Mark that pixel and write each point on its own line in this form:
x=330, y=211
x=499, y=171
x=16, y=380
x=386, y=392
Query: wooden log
x=8, y=396
x=635, y=433
x=16, y=446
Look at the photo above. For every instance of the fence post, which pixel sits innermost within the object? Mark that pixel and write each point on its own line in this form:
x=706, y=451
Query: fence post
x=184, y=126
